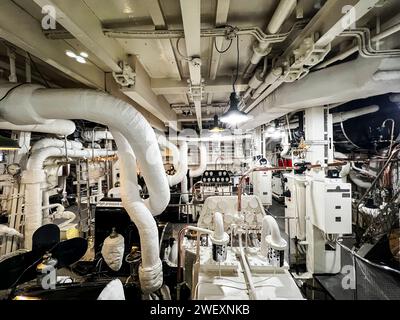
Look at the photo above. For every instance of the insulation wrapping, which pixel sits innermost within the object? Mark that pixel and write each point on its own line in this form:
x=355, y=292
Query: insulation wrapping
x=113, y=251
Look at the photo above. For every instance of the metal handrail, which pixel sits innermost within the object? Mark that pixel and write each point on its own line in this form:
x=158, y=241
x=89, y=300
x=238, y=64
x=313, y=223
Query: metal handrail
x=353, y=253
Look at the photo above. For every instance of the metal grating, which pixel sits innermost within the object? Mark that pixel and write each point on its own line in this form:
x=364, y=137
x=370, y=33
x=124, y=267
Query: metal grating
x=373, y=283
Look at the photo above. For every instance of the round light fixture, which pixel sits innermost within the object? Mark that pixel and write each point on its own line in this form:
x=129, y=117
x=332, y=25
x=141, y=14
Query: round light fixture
x=234, y=116
x=80, y=59
x=84, y=54
x=70, y=54
x=216, y=128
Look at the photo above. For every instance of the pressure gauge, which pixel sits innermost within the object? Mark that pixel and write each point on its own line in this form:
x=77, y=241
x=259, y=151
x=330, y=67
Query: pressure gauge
x=13, y=169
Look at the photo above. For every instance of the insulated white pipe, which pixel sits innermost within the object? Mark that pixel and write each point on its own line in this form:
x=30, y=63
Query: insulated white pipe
x=9, y=232
x=48, y=142
x=31, y=104
x=182, y=170
x=184, y=190
x=269, y=79
x=286, y=145
x=388, y=32
x=68, y=215
x=357, y=181
x=150, y=271
x=13, y=70
x=34, y=175
x=58, y=127
x=96, y=136
x=282, y=12
x=59, y=206
x=219, y=231
x=38, y=157
x=345, y=171
x=344, y=116
x=270, y=227
x=194, y=173
x=166, y=144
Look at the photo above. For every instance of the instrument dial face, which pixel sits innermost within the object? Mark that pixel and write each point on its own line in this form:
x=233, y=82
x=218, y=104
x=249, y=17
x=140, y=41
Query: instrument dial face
x=13, y=169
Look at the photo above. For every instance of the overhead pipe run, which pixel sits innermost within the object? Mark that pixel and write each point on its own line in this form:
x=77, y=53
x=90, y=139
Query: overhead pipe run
x=49, y=142
x=260, y=50
x=96, y=135
x=272, y=76
x=57, y=127
x=344, y=116
x=343, y=55
x=30, y=104
x=300, y=66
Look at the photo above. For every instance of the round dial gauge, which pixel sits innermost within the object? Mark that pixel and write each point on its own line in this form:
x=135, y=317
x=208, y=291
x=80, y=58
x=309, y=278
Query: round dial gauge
x=13, y=169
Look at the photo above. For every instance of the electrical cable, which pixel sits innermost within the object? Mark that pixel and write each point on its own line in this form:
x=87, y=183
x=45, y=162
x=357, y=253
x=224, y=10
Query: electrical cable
x=237, y=64
x=179, y=51
x=225, y=50
x=38, y=71
x=11, y=90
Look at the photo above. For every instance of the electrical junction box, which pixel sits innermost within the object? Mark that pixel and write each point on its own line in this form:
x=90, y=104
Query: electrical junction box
x=262, y=186
x=329, y=206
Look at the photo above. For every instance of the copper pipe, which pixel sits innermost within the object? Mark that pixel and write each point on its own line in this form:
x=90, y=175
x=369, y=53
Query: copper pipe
x=194, y=188
x=181, y=253
x=266, y=169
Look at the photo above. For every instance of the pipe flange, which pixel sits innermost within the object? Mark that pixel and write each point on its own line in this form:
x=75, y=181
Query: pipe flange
x=281, y=245
x=222, y=242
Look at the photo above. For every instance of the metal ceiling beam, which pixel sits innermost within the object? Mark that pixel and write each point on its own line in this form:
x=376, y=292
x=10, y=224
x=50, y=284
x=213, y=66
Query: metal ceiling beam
x=155, y=11
x=221, y=19
x=220, y=84
x=154, y=8
x=205, y=117
x=21, y=29
x=142, y=94
x=114, y=90
x=81, y=22
x=191, y=25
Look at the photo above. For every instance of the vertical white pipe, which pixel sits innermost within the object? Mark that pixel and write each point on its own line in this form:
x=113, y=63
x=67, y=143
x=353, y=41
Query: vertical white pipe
x=150, y=271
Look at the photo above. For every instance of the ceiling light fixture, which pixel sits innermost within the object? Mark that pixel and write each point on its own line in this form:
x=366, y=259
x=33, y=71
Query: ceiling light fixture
x=70, y=54
x=234, y=116
x=80, y=59
x=84, y=54
x=216, y=128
